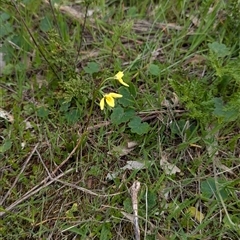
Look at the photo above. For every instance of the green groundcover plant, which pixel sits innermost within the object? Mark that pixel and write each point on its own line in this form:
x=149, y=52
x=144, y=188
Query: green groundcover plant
x=98, y=95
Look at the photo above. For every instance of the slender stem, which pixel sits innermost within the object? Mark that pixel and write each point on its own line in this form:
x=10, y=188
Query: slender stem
x=91, y=109
x=83, y=28
x=33, y=39
x=55, y=19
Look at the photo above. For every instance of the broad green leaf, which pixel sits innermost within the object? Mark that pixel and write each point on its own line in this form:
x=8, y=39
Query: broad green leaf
x=91, y=68
x=218, y=103
x=152, y=199
x=138, y=127
x=219, y=49
x=127, y=205
x=72, y=116
x=154, y=69
x=132, y=12
x=118, y=115
x=209, y=189
x=127, y=99
x=42, y=112
x=6, y=146
x=234, y=219
x=132, y=89
x=46, y=24
x=64, y=106
x=105, y=232
x=5, y=29
x=8, y=69
x=178, y=127
x=221, y=111
x=127, y=115
x=3, y=17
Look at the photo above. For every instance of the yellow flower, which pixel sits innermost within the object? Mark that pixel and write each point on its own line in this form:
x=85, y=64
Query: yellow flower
x=109, y=98
x=119, y=76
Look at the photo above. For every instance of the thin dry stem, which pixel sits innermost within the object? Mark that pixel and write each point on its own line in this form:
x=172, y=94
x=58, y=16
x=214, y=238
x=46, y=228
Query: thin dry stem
x=20, y=173
x=134, y=195
x=32, y=193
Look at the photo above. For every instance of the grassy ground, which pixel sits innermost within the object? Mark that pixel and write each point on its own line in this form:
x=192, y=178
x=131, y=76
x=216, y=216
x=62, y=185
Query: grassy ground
x=69, y=170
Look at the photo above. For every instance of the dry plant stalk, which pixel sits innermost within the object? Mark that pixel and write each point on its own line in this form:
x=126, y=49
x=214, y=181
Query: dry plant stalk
x=18, y=176
x=134, y=194
x=46, y=181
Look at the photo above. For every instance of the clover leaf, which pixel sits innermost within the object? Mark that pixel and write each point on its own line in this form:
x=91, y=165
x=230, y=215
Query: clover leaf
x=119, y=116
x=138, y=127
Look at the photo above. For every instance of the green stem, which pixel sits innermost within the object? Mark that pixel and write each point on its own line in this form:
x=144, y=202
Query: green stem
x=91, y=109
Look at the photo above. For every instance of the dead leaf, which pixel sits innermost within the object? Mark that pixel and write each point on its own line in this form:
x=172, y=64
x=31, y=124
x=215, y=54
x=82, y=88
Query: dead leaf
x=167, y=167
x=196, y=22
x=175, y=99
x=123, y=150
x=128, y=216
x=166, y=103
x=222, y=167
x=28, y=125
x=23, y=144
x=132, y=144
x=131, y=165
x=41, y=81
x=111, y=176
x=134, y=165
x=196, y=214
x=173, y=102
x=194, y=60
x=5, y=115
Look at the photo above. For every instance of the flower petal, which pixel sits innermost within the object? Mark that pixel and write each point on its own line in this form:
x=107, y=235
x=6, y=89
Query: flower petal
x=102, y=103
x=114, y=95
x=119, y=76
x=123, y=83
x=110, y=100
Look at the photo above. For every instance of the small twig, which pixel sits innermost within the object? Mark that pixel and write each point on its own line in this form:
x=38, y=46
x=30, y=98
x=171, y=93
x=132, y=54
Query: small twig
x=7, y=88
x=44, y=165
x=99, y=125
x=18, y=176
x=88, y=191
x=79, y=142
x=134, y=194
x=146, y=213
x=19, y=48
x=49, y=180
x=46, y=181
x=59, y=166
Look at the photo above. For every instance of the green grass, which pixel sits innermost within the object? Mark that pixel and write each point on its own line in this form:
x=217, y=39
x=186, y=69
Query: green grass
x=181, y=110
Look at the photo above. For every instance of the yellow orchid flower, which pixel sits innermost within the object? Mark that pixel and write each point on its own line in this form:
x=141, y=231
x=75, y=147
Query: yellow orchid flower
x=119, y=76
x=109, y=98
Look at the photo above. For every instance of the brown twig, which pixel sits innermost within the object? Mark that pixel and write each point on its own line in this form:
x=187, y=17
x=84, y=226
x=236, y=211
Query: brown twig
x=45, y=182
x=31, y=193
x=88, y=191
x=134, y=193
